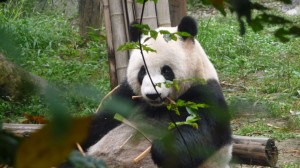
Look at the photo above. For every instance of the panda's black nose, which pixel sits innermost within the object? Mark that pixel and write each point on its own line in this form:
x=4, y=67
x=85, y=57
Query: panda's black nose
x=152, y=96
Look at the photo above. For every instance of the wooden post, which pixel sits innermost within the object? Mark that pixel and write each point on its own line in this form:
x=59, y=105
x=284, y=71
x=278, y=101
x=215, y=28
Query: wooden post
x=149, y=16
x=163, y=13
x=129, y=4
x=177, y=11
x=110, y=46
x=119, y=37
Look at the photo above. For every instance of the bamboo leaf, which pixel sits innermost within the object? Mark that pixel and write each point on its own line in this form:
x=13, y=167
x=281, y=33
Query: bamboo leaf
x=45, y=148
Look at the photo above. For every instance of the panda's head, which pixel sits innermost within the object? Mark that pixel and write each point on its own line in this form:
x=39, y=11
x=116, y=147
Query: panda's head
x=180, y=60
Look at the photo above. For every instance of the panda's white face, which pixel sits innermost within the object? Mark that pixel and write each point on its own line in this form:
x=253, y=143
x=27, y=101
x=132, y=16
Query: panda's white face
x=155, y=93
x=181, y=59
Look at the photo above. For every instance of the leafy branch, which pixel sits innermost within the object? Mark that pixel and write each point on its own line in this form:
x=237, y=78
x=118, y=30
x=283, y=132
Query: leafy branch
x=244, y=10
x=153, y=34
x=191, y=108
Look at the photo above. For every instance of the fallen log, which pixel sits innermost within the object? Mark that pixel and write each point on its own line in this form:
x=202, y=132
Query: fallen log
x=246, y=150
x=255, y=151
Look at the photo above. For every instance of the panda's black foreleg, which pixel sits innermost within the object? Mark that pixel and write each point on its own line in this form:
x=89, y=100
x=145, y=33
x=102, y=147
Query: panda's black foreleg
x=104, y=121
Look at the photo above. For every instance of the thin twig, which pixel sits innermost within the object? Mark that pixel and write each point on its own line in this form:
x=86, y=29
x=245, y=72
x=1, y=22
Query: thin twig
x=127, y=122
x=171, y=100
x=121, y=146
x=142, y=155
x=80, y=149
x=136, y=97
x=106, y=96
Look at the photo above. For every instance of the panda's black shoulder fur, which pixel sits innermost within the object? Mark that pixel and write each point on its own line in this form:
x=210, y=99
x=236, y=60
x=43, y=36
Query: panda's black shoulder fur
x=104, y=120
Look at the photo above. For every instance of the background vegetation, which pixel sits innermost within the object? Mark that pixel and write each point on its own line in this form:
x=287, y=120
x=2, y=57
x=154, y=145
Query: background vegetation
x=260, y=75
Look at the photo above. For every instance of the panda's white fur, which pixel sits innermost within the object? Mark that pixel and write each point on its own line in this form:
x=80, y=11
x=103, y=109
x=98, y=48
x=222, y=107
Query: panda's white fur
x=187, y=59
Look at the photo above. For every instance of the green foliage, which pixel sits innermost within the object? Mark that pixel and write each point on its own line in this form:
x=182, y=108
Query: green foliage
x=146, y=30
x=49, y=46
x=259, y=74
x=190, y=107
x=256, y=15
x=51, y=145
x=79, y=161
x=135, y=45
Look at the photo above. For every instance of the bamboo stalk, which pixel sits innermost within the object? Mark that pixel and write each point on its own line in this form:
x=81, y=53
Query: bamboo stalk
x=119, y=37
x=110, y=46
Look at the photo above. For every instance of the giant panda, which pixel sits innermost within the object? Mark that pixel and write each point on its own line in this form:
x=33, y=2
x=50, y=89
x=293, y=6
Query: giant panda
x=209, y=145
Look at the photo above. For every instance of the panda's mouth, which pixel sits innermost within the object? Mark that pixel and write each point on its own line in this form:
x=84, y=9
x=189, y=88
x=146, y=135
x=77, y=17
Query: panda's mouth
x=159, y=102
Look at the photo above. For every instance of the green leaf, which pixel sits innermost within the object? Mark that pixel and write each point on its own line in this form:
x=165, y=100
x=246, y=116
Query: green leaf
x=45, y=148
x=184, y=34
x=171, y=126
x=147, y=49
x=79, y=161
x=140, y=1
x=128, y=46
x=173, y=37
x=158, y=85
x=180, y=102
x=195, y=125
x=148, y=38
x=153, y=34
x=164, y=32
x=118, y=117
x=219, y=5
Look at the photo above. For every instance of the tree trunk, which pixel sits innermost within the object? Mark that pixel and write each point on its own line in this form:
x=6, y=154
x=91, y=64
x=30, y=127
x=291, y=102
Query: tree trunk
x=91, y=15
x=16, y=83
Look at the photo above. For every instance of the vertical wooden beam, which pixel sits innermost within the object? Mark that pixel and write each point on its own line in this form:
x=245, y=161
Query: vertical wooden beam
x=149, y=14
x=177, y=11
x=110, y=46
x=119, y=37
x=163, y=13
x=130, y=15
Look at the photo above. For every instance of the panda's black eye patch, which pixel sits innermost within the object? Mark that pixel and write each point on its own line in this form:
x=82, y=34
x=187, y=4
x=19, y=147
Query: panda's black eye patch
x=141, y=74
x=168, y=73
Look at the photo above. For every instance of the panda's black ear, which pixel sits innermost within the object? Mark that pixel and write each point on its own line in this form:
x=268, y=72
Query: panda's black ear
x=134, y=33
x=189, y=25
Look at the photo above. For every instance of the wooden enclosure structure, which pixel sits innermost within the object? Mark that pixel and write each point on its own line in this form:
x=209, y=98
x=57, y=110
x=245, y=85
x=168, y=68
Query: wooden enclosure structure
x=118, y=13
